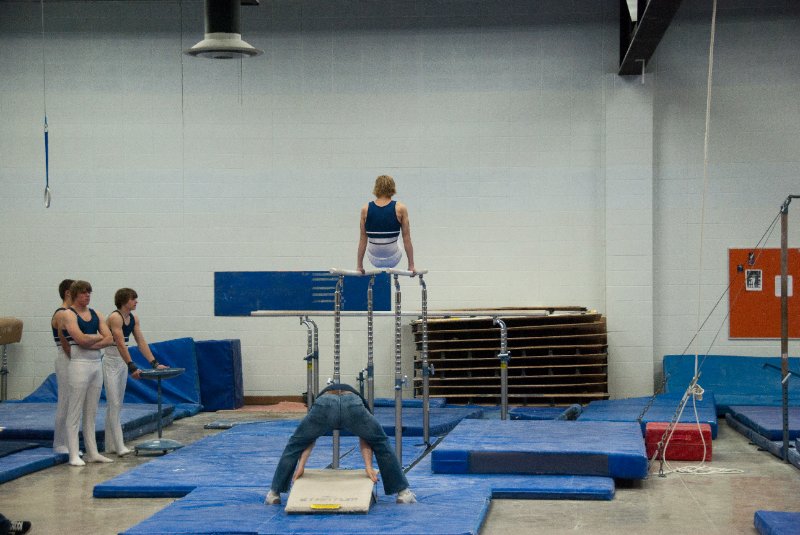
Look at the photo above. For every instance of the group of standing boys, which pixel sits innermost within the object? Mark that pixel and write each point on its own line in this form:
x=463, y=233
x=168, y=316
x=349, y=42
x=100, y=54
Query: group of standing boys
x=92, y=350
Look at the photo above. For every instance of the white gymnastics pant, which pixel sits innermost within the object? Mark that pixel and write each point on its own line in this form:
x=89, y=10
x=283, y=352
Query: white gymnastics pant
x=115, y=377
x=85, y=383
x=62, y=380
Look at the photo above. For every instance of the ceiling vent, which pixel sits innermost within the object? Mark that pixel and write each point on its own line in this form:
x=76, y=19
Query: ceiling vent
x=223, y=38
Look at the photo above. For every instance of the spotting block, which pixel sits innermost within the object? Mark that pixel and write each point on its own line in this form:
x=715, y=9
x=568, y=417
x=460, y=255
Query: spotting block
x=686, y=443
x=331, y=491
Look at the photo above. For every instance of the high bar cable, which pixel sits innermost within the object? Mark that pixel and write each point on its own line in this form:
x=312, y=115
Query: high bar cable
x=47, y=196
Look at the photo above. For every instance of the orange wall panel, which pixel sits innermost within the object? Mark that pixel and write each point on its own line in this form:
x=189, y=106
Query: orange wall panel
x=755, y=309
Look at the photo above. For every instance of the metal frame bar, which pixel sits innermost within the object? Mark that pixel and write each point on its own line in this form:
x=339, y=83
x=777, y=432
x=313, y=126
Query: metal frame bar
x=504, y=358
x=785, y=373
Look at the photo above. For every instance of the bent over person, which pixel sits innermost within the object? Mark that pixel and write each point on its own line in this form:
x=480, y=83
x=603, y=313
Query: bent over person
x=340, y=406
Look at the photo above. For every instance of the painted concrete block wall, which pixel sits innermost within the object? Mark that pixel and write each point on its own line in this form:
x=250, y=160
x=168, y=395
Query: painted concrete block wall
x=165, y=169
x=754, y=162
x=629, y=233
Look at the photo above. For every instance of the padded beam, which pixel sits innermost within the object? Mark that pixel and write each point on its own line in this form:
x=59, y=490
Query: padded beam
x=10, y=330
x=331, y=491
x=638, y=43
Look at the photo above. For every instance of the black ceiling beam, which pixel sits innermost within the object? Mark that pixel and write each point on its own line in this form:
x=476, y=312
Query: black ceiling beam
x=638, y=41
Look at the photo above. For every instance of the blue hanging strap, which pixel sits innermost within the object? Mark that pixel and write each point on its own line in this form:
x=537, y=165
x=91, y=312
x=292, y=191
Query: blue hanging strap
x=46, y=166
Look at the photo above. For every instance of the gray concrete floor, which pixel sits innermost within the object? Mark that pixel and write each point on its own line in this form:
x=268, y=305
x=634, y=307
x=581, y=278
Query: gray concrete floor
x=59, y=500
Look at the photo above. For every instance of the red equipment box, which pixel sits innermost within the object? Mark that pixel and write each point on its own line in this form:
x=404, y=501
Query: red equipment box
x=685, y=444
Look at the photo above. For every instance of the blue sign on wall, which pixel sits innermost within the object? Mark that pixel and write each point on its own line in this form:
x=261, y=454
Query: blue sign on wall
x=238, y=293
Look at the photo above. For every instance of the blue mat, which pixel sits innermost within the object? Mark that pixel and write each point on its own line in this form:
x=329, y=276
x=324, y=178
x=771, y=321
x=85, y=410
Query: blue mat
x=610, y=449
x=767, y=421
x=10, y=447
x=447, y=505
x=662, y=410
x=545, y=413
x=219, y=364
x=34, y=421
x=777, y=523
x=28, y=461
x=244, y=456
x=734, y=380
x=182, y=391
x=411, y=402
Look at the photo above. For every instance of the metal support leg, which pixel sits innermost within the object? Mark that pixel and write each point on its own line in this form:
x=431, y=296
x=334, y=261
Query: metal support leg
x=427, y=370
x=309, y=358
x=315, y=357
x=337, y=338
x=504, y=358
x=398, y=375
x=370, y=353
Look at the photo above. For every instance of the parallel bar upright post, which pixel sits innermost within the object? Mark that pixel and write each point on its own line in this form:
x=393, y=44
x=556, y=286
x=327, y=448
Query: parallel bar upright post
x=504, y=358
x=337, y=338
x=785, y=326
x=398, y=375
x=310, y=394
x=370, y=353
x=426, y=368
x=315, y=356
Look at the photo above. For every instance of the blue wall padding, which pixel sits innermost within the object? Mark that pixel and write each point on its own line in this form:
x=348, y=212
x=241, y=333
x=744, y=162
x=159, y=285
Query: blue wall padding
x=238, y=293
x=447, y=505
x=219, y=364
x=545, y=413
x=245, y=455
x=734, y=380
x=777, y=523
x=46, y=393
x=613, y=449
x=768, y=421
x=28, y=461
x=182, y=391
x=662, y=410
x=411, y=402
x=35, y=421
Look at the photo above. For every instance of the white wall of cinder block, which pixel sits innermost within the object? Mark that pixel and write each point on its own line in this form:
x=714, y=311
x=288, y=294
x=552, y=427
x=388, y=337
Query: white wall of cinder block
x=534, y=175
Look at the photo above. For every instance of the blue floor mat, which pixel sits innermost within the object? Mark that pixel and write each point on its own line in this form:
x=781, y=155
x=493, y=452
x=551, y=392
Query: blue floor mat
x=767, y=421
x=545, y=413
x=28, y=461
x=243, y=456
x=447, y=505
x=662, y=410
x=35, y=421
x=610, y=449
x=9, y=447
x=410, y=402
x=777, y=523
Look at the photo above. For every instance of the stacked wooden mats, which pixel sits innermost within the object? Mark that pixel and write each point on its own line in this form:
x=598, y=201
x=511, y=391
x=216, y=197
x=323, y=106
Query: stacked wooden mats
x=559, y=356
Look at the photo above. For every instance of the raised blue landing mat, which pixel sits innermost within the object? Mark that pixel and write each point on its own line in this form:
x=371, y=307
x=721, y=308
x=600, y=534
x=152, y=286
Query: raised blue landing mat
x=609, y=449
x=219, y=364
x=245, y=456
x=411, y=402
x=794, y=454
x=734, y=380
x=238, y=293
x=767, y=421
x=545, y=413
x=34, y=421
x=28, y=461
x=662, y=410
x=183, y=391
x=447, y=505
x=777, y=523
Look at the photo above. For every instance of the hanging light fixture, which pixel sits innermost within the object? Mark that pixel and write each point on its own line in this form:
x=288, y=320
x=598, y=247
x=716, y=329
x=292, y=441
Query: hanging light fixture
x=223, y=38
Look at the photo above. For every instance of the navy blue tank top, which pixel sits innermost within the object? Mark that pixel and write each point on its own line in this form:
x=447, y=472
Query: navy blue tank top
x=88, y=327
x=126, y=329
x=382, y=224
x=63, y=331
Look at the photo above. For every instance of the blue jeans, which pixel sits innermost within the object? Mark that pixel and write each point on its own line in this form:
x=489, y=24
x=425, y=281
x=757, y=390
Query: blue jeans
x=345, y=411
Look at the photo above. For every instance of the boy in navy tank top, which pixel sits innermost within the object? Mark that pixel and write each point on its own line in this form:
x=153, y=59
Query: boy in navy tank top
x=382, y=222
x=117, y=364
x=89, y=334
x=62, y=340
